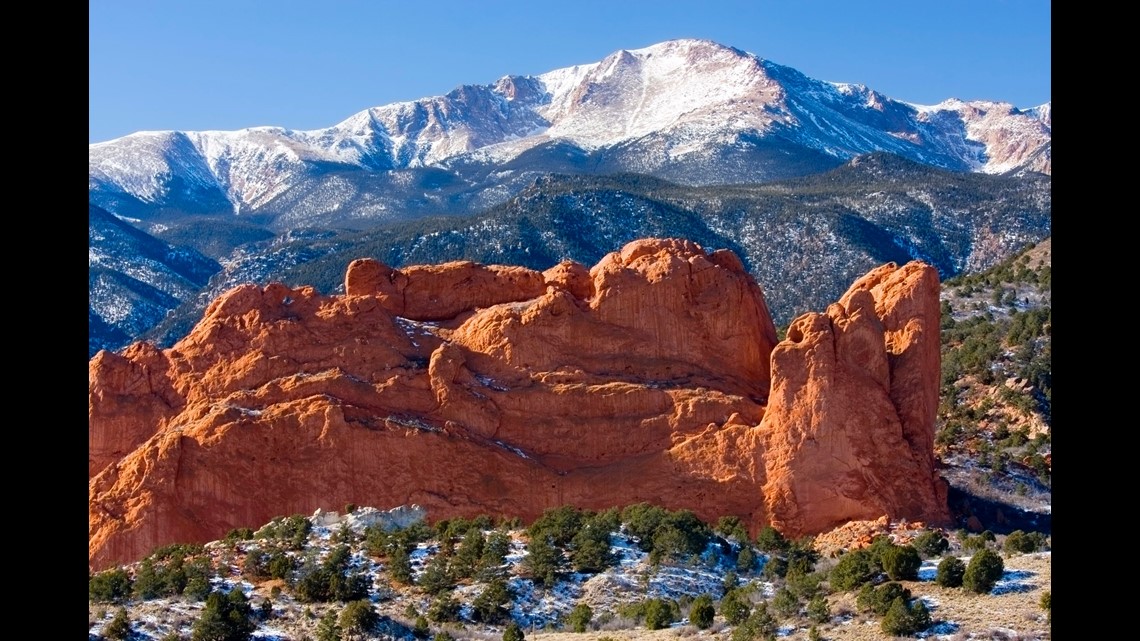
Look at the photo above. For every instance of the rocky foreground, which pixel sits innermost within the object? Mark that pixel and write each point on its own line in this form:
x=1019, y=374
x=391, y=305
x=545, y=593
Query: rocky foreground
x=653, y=376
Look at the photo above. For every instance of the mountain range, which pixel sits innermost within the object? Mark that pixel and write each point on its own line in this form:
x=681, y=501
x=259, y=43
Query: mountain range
x=691, y=112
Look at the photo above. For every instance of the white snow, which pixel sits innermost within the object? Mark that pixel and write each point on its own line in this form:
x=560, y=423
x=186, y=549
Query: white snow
x=694, y=93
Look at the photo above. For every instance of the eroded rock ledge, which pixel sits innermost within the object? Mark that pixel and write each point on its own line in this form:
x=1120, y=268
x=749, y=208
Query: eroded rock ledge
x=464, y=388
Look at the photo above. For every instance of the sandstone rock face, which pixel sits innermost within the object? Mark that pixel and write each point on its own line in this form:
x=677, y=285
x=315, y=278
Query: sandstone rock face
x=855, y=391
x=467, y=389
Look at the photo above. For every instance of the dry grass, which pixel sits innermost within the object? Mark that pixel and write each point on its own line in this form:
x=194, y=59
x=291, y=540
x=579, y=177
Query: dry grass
x=1015, y=614
x=1011, y=615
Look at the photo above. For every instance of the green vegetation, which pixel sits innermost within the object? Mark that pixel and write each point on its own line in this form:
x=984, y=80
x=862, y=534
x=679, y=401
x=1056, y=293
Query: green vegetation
x=590, y=547
x=331, y=579
x=109, y=586
x=950, y=572
x=901, y=619
x=853, y=570
x=983, y=571
x=335, y=568
x=436, y=578
x=267, y=562
x=1023, y=543
x=745, y=559
x=358, y=619
x=444, y=608
x=513, y=632
x=327, y=628
x=997, y=369
x=543, y=561
x=567, y=536
x=659, y=613
x=818, y=610
x=292, y=531
x=731, y=527
x=901, y=562
x=879, y=599
x=666, y=535
x=736, y=605
x=400, y=566
x=701, y=612
x=770, y=540
x=975, y=542
x=421, y=628
x=931, y=544
x=227, y=617
x=785, y=604
x=119, y=627
x=493, y=603
x=760, y=625
x=173, y=570
x=580, y=617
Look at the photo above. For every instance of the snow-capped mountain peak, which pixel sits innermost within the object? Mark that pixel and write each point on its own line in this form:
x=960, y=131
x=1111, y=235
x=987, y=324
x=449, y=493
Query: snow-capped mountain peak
x=642, y=110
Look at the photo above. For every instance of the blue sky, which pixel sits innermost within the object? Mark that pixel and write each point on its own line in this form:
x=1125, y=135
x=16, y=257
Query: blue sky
x=210, y=64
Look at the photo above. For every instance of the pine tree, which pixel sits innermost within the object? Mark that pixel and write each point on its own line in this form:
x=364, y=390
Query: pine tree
x=111, y=586
x=785, y=604
x=746, y=559
x=421, y=628
x=932, y=543
x=436, y=577
x=491, y=606
x=543, y=561
x=400, y=566
x=901, y=562
x=759, y=625
x=444, y=608
x=590, y=548
x=983, y=571
x=701, y=612
x=853, y=570
x=467, y=556
x=950, y=571
x=897, y=621
x=580, y=617
x=817, y=609
x=513, y=632
x=658, y=614
x=736, y=606
x=225, y=618
x=358, y=619
x=327, y=628
x=903, y=620
x=119, y=627
x=770, y=540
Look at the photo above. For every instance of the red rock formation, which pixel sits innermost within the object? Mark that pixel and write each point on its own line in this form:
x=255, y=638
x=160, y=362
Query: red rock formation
x=475, y=389
x=852, y=408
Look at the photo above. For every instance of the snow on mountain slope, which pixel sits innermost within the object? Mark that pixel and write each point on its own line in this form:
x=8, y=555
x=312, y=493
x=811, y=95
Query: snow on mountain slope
x=134, y=279
x=675, y=98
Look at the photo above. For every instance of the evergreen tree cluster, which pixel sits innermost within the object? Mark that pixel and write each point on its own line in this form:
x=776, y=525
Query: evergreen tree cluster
x=473, y=553
x=992, y=332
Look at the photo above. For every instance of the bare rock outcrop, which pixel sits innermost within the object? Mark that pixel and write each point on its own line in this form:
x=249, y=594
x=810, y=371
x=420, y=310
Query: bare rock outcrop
x=467, y=389
x=855, y=391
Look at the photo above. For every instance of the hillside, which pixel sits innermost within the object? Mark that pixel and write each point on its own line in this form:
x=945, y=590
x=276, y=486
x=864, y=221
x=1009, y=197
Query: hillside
x=134, y=279
x=995, y=415
x=801, y=239
x=469, y=579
